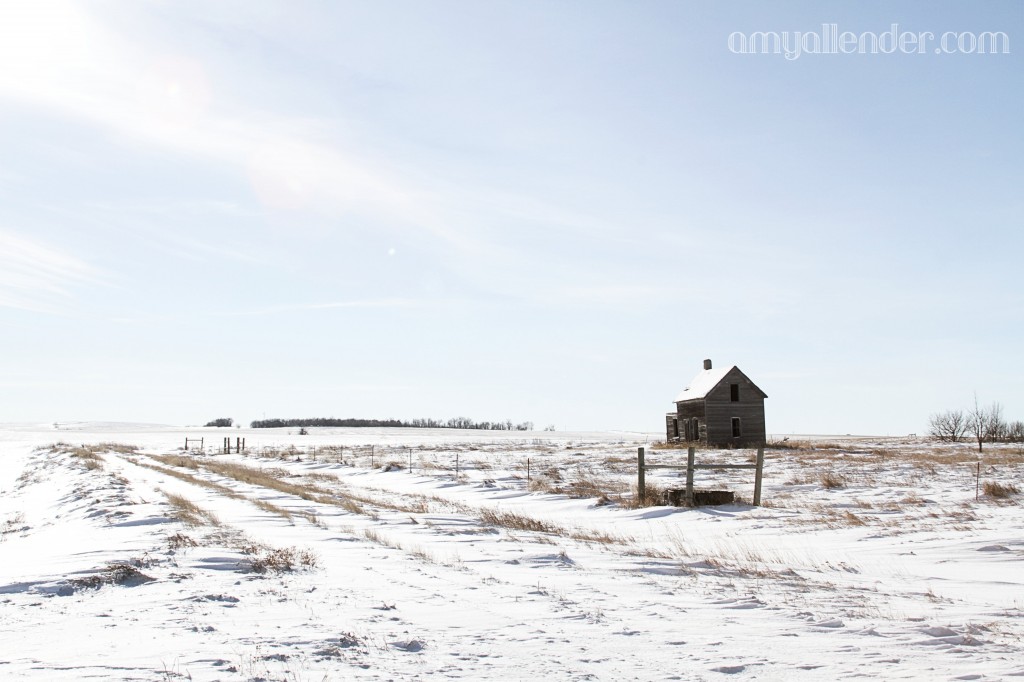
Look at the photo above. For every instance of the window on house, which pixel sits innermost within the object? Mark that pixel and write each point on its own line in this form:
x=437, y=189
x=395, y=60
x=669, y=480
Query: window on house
x=736, y=427
x=694, y=429
x=734, y=392
x=675, y=428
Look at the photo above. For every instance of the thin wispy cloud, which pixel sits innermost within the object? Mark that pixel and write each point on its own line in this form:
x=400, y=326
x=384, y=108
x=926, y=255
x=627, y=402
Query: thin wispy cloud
x=145, y=222
x=62, y=58
x=59, y=57
x=613, y=294
x=328, y=305
x=37, y=277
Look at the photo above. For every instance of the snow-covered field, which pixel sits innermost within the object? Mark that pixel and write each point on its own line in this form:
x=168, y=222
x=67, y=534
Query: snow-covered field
x=870, y=558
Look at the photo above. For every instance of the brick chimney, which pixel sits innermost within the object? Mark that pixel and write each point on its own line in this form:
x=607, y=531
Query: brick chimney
x=707, y=364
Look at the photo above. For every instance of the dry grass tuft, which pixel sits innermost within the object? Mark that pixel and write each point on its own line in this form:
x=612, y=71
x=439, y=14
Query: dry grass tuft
x=352, y=506
x=92, y=464
x=113, y=574
x=787, y=444
x=852, y=519
x=89, y=458
x=654, y=496
x=272, y=508
x=181, y=541
x=999, y=490
x=670, y=445
x=321, y=477
x=832, y=481
x=541, y=484
x=183, y=461
x=262, y=558
x=314, y=520
x=580, y=486
x=14, y=524
x=375, y=536
x=90, y=455
x=121, y=448
x=599, y=537
x=514, y=521
x=189, y=513
x=423, y=555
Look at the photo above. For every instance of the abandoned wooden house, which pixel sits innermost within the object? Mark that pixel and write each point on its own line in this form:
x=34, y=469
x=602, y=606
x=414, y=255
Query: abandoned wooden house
x=720, y=407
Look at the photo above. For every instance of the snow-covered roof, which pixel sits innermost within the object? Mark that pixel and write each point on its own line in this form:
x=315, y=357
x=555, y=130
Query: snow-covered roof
x=702, y=384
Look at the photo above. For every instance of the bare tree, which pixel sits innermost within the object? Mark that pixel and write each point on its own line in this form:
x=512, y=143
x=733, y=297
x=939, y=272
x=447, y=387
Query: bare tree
x=984, y=423
x=997, y=426
x=949, y=426
x=1015, y=432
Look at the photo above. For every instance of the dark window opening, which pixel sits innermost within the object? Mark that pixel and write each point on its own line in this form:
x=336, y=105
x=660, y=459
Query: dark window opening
x=734, y=392
x=695, y=429
x=675, y=427
x=736, y=427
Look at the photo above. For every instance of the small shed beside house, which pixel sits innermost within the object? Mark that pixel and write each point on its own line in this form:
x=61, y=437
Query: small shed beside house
x=720, y=407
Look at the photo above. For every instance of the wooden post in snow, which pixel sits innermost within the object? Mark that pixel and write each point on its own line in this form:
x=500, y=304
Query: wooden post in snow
x=641, y=482
x=757, y=476
x=691, y=453
x=977, y=482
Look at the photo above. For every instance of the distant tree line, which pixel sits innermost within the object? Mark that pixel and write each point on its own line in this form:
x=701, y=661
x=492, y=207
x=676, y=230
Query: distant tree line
x=223, y=421
x=981, y=424
x=453, y=423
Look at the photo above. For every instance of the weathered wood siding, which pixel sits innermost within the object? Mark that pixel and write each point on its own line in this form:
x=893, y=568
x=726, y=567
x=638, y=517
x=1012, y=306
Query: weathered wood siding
x=715, y=413
x=687, y=411
x=720, y=411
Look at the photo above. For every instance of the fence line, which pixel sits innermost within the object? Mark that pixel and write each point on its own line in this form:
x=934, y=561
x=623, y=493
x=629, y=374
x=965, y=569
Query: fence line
x=690, y=467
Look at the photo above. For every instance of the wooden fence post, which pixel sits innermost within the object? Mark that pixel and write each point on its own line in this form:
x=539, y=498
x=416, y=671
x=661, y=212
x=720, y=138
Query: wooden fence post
x=757, y=476
x=527, y=470
x=691, y=453
x=977, y=482
x=641, y=482
x=456, y=464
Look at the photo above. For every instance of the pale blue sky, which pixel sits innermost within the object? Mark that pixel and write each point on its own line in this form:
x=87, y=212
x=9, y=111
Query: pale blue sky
x=547, y=211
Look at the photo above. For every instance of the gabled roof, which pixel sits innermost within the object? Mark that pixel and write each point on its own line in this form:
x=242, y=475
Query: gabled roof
x=702, y=384
x=706, y=380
